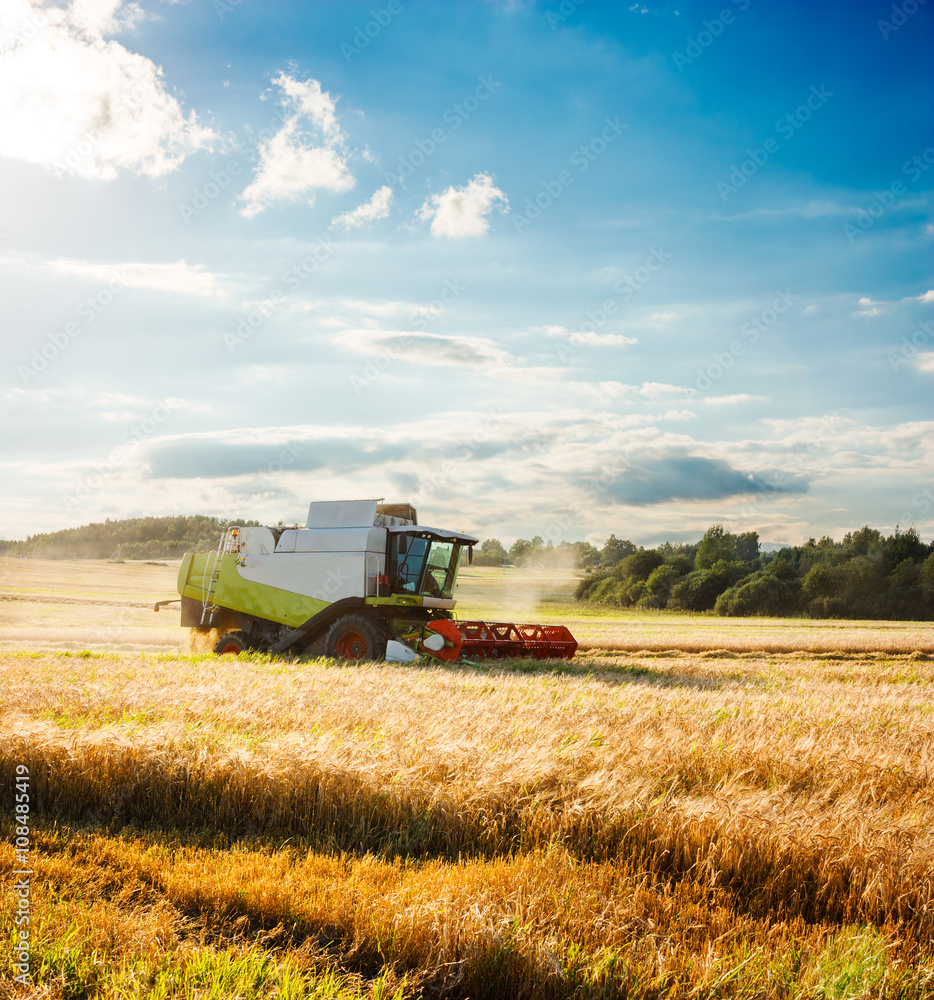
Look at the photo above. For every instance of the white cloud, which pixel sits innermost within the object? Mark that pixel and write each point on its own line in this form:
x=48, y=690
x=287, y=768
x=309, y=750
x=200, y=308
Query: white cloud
x=429, y=348
x=926, y=361
x=462, y=212
x=385, y=307
x=180, y=276
x=376, y=208
x=927, y=297
x=551, y=331
x=479, y=354
x=77, y=103
x=742, y=397
x=291, y=164
x=587, y=338
x=869, y=307
x=648, y=390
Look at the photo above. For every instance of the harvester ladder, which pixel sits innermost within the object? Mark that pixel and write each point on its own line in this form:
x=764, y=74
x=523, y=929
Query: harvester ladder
x=226, y=544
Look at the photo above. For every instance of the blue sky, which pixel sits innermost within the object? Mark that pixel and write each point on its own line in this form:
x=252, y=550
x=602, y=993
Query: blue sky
x=537, y=267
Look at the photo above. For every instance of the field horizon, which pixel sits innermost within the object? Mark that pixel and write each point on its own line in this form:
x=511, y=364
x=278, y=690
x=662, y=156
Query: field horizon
x=108, y=606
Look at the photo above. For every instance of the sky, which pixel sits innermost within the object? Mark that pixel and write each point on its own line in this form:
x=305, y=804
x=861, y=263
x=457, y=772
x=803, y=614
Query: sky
x=539, y=267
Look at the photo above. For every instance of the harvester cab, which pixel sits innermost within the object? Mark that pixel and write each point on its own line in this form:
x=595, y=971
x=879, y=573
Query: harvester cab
x=360, y=575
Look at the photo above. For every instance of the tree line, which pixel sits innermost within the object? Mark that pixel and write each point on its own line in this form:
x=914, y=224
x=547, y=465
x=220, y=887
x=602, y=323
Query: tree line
x=866, y=575
x=132, y=538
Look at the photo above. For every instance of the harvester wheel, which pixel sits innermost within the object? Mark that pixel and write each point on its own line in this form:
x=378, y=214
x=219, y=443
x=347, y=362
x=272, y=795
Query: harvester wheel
x=357, y=637
x=233, y=643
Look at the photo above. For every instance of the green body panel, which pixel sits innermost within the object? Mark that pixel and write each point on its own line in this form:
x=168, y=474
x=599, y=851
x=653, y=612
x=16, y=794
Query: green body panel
x=396, y=601
x=232, y=591
x=184, y=573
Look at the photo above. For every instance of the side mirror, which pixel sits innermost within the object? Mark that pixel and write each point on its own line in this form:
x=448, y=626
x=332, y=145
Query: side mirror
x=469, y=555
x=403, y=544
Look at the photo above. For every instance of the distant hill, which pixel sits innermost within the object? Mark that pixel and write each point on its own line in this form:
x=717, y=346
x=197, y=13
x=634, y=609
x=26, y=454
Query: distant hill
x=136, y=538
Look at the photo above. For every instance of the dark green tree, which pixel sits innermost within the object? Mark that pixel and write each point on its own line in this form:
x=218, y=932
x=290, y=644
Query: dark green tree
x=520, y=550
x=493, y=547
x=658, y=586
x=716, y=544
x=747, y=546
x=614, y=551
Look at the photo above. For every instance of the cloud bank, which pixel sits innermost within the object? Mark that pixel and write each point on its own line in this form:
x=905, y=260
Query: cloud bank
x=78, y=103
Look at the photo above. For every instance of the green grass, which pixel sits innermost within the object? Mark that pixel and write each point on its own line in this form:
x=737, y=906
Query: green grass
x=73, y=967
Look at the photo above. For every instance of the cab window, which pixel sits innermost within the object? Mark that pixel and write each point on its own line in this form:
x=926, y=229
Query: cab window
x=425, y=567
x=409, y=565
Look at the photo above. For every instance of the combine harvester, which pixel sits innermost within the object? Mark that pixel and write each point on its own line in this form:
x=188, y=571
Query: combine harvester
x=362, y=580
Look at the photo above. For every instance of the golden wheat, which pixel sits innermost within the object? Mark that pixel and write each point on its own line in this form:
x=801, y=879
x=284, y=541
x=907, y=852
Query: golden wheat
x=619, y=821
x=543, y=923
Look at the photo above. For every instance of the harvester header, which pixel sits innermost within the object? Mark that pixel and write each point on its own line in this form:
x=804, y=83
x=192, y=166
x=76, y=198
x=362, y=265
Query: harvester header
x=362, y=580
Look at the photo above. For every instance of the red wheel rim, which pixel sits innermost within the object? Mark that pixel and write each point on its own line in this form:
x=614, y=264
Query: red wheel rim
x=351, y=646
x=231, y=647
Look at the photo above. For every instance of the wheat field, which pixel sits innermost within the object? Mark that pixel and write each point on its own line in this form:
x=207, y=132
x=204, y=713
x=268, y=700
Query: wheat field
x=658, y=823
x=616, y=826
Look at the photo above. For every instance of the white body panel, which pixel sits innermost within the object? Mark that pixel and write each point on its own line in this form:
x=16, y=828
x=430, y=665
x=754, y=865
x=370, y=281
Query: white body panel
x=326, y=576
x=257, y=541
x=368, y=539
x=341, y=514
x=325, y=563
x=341, y=553
x=287, y=541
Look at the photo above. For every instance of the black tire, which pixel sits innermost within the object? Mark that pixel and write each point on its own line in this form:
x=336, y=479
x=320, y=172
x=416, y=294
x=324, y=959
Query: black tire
x=233, y=643
x=357, y=637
